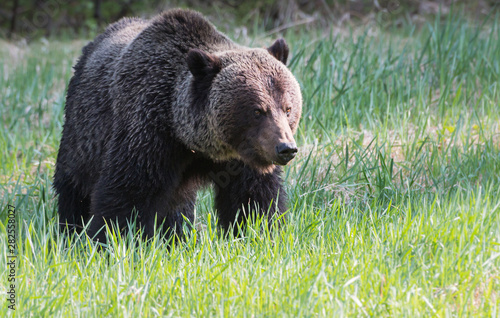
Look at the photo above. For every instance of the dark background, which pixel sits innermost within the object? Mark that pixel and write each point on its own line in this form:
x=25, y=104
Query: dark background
x=28, y=19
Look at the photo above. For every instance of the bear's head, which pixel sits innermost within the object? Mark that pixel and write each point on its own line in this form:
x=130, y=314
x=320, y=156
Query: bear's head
x=253, y=103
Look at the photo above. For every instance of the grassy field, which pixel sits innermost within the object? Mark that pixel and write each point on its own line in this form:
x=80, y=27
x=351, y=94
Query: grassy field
x=394, y=198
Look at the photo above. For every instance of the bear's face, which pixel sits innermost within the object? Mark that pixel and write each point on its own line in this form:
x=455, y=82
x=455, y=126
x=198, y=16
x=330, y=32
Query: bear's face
x=254, y=104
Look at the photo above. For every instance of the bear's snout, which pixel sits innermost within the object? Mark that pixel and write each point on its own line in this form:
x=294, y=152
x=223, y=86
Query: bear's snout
x=286, y=151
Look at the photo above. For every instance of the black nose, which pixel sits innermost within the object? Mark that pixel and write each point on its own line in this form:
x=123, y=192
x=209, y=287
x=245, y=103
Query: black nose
x=286, y=151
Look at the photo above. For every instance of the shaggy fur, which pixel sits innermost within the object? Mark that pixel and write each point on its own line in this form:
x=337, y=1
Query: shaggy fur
x=156, y=109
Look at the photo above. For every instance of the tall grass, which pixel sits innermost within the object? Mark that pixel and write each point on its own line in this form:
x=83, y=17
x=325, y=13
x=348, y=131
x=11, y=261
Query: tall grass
x=394, y=199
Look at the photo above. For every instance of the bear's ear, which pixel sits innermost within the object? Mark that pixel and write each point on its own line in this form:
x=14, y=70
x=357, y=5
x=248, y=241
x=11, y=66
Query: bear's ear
x=203, y=64
x=279, y=50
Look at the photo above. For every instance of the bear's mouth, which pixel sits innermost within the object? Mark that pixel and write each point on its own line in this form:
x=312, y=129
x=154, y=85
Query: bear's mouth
x=257, y=161
x=281, y=163
x=257, y=158
x=284, y=160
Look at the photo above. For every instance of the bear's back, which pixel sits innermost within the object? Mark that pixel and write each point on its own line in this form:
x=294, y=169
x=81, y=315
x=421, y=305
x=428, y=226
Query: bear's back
x=186, y=29
x=108, y=46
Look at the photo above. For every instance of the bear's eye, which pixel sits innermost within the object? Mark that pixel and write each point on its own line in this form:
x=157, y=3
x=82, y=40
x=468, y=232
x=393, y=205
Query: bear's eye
x=257, y=112
x=288, y=111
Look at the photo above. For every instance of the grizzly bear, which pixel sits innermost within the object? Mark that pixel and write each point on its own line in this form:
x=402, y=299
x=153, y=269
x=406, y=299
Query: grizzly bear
x=157, y=109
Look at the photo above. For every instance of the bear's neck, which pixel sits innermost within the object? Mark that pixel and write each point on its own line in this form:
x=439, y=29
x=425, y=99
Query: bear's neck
x=194, y=123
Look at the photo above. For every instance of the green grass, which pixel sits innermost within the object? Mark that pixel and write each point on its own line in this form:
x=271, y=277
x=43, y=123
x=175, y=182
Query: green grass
x=394, y=198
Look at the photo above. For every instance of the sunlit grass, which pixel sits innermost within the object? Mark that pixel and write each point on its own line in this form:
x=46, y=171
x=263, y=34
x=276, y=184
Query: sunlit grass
x=394, y=198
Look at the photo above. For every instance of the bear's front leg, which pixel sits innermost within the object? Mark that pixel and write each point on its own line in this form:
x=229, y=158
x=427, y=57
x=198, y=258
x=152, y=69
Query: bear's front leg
x=168, y=212
x=111, y=204
x=163, y=210
x=240, y=190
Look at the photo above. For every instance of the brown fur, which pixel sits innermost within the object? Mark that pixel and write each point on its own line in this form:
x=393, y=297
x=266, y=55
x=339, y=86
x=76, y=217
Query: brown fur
x=157, y=109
